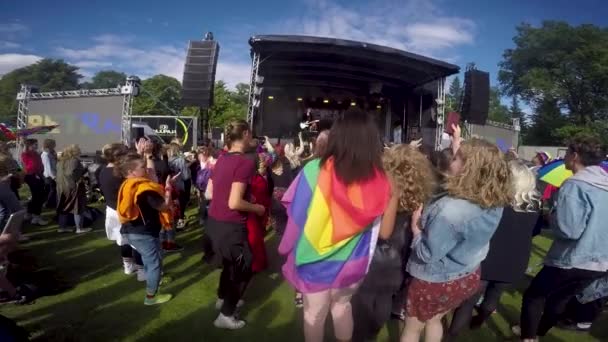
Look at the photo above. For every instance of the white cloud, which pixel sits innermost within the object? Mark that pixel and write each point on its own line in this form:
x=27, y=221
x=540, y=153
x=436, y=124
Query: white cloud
x=6, y=45
x=13, y=28
x=125, y=54
x=12, y=61
x=414, y=25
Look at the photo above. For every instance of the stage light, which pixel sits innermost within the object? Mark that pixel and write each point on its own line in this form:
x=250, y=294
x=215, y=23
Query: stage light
x=300, y=99
x=271, y=97
x=353, y=104
x=326, y=101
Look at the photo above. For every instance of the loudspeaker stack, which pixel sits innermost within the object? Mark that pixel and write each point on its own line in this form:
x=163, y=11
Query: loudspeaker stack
x=199, y=73
x=476, y=100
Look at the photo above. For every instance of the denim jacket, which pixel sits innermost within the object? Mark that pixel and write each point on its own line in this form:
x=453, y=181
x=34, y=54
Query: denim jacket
x=580, y=222
x=455, y=239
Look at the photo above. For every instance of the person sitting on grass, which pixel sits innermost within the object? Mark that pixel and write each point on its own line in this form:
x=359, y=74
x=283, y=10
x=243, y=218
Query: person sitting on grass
x=143, y=209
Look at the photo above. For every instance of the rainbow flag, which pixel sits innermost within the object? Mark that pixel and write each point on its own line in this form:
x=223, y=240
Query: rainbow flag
x=332, y=228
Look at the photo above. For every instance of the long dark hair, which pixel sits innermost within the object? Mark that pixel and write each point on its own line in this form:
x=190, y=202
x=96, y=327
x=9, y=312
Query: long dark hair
x=354, y=144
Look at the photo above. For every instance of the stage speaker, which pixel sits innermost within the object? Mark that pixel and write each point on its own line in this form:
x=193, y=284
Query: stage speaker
x=476, y=99
x=199, y=73
x=216, y=133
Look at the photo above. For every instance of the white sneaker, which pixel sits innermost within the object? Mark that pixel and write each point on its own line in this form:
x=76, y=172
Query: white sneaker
x=141, y=276
x=64, y=230
x=516, y=330
x=83, y=230
x=219, y=302
x=129, y=268
x=181, y=224
x=37, y=220
x=228, y=322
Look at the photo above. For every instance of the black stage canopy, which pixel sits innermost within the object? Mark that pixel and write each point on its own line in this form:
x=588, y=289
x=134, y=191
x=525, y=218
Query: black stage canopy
x=303, y=61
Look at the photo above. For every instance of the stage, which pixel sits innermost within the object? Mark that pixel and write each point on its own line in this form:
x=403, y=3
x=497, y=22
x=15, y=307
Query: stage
x=292, y=75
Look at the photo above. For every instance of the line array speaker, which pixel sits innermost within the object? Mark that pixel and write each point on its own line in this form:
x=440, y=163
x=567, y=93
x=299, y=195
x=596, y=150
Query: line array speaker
x=476, y=99
x=199, y=73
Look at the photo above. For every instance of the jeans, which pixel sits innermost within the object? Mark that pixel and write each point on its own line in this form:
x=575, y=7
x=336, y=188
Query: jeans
x=167, y=235
x=546, y=298
x=37, y=190
x=149, y=248
x=50, y=187
x=491, y=291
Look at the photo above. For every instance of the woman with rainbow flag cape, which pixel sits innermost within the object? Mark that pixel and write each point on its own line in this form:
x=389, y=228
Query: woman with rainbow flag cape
x=335, y=208
x=452, y=236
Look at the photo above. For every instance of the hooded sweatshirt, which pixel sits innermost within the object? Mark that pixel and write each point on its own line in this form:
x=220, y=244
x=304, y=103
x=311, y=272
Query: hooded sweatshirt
x=579, y=222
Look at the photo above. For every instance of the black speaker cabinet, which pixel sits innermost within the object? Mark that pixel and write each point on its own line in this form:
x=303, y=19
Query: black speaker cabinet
x=476, y=100
x=199, y=73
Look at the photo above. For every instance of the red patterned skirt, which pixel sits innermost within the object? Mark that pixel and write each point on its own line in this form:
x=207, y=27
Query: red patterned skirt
x=426, y=300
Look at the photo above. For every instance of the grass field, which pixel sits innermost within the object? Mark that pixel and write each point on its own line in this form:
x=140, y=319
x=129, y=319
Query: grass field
x=103, y=304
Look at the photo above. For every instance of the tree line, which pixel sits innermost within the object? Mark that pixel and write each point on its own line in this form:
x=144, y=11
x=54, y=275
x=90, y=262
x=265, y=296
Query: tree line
x=557, y=70
x=161, y=94
x=560, y=72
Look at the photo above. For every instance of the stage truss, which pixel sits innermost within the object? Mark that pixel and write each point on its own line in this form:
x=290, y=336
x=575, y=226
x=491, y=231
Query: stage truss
x=253, y=84
x=127, y=91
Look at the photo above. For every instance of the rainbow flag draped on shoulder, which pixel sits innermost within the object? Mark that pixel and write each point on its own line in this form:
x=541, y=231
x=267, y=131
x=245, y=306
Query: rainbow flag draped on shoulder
x=332, y=229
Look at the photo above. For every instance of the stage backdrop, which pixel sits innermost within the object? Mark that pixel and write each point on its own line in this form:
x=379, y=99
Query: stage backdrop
x=89, y=122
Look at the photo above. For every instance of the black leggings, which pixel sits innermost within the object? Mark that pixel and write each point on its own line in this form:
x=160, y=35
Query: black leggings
x=38, y=192
x=126, y=251
x=578, y=312
x=183, y=198
x=491, y=291
x=546, y=298
x=229, y=241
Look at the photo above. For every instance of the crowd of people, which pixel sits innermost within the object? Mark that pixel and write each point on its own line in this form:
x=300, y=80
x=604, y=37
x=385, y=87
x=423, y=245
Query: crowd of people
x=368, y=232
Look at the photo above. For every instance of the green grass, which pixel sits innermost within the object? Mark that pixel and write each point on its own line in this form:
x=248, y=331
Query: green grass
x=106, y=305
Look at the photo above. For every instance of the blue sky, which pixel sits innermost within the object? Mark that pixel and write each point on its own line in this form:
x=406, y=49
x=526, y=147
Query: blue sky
x=149, y=37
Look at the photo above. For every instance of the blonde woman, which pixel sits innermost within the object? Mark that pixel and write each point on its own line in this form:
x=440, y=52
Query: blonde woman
x=510, y=247
x=452, y=238
x=71, y=192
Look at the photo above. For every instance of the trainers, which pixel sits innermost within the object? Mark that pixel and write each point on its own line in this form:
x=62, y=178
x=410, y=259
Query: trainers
x=516, y=330
x=141, y=276
x=157, y=299
x=181, y=224
x=219, y=302
x=39, y=221
x=228, y=322
x=129, y=268
x=83, y=230
x=64, y=230
x=172, y=247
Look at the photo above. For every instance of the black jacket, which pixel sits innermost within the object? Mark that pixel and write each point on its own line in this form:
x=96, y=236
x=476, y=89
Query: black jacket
x=510, y=247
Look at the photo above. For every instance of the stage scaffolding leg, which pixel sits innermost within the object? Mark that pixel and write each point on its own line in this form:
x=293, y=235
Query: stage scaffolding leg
x=23, y=98
x=255, y=63
x=440, y=113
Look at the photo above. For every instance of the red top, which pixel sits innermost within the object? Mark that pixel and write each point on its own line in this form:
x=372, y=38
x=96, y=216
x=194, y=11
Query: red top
x=230, y=168
x=32, y=163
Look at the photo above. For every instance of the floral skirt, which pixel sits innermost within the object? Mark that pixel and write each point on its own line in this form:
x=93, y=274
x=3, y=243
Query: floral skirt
x=426, y=300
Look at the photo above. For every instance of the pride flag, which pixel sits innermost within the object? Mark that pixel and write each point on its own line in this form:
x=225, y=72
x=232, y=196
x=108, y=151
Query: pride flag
x=332, y=229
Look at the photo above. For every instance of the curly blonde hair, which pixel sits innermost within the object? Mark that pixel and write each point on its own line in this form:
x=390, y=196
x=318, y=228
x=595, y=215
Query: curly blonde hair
x=71, y=151
x=525, y=195
x=412, y=174
x=485, y=178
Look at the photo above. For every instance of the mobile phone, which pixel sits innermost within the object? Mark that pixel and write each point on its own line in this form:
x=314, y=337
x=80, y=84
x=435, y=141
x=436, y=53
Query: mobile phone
x=453, y=120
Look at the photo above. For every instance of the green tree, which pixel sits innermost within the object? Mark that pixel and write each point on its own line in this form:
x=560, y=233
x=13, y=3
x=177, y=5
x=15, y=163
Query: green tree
x=159, y=95
x=106, y=79
x=568, y=64
x=227, y=105
x=497, y=111
x=454, y=96
x=46, y=74
x=548, y=119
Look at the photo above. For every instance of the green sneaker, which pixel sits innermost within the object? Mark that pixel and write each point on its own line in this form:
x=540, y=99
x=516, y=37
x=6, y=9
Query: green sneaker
x=158, y=299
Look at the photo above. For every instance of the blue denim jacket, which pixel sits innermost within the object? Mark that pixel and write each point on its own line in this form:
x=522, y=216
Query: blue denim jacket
x=454, y=241
x=580, y=222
